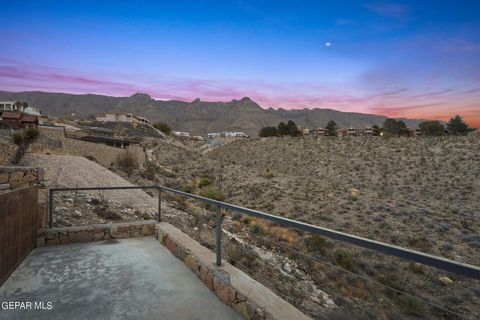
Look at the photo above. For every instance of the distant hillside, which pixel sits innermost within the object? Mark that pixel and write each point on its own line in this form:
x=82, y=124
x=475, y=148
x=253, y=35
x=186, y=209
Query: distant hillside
x=198, y=117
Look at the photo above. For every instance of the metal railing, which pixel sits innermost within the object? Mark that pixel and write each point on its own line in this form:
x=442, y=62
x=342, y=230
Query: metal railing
x=456, y=267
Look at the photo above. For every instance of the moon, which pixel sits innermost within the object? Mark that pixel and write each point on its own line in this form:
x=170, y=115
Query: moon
x=328, y=44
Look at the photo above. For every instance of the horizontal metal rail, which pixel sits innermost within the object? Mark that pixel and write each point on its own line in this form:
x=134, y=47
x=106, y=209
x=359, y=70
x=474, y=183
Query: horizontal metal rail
x=460, y=268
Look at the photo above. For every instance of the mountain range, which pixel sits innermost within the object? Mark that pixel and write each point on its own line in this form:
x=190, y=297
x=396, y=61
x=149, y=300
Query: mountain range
x=197, y=117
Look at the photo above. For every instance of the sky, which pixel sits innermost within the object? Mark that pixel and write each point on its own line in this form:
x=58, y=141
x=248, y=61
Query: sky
x=414, y=59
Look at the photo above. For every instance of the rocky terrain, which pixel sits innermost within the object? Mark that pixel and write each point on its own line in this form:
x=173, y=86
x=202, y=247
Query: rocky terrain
x=417, y=193
x=198, y=117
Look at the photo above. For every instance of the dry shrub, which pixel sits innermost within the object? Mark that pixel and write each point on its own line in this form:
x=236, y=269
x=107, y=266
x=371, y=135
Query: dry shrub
x=263, y=227
x=283, y=234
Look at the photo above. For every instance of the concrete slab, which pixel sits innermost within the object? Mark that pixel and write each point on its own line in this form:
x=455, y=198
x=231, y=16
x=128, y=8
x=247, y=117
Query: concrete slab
x=134, y=278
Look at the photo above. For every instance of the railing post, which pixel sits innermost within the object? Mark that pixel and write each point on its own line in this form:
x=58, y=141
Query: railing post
x=50, y=208
x=218, y=235
x=159, y=215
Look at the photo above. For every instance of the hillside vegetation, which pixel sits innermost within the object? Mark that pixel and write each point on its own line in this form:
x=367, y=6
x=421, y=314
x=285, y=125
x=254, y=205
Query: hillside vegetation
x=418, y=193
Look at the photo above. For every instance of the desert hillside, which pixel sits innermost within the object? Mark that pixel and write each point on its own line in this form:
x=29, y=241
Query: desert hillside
x=418, y=193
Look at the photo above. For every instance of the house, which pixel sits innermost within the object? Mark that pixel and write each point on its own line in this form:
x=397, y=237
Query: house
x=121, y=117
x=234, y=134
x=414, y=132
x=321, y=132
x=11, y=106
x=352, y=132
x=305, y=131
x=213, y=135
x=19, y=120
x=8, y=106
x=371, y=131
x=181, y=134
x=227, y=134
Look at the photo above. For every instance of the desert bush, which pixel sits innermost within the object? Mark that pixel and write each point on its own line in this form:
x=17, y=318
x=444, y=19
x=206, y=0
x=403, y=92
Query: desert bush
x=239, y=253
x=23, y=140
x=165, y=128
x=150, y=171
x=17, y=138
x=205, y=181
x=256, y=229
x=282, y=234
x=212, y=192
x=343, y=258
x=127, y=161
x=412, y=306
x=30, y=135
x=188, y=186
x=316, y=243
x=91, y=158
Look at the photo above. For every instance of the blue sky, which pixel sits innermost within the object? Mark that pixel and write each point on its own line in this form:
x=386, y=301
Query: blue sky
x=402, y=58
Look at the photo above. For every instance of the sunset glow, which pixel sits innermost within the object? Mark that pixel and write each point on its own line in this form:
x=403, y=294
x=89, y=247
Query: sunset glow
x=396, y=59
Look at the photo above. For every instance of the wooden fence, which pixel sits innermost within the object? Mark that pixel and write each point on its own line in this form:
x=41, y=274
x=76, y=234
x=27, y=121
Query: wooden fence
x=18, y=221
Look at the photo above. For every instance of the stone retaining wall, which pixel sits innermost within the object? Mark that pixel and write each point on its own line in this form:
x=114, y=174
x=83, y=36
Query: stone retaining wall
x=54, y=142
x=16, y=177
x=233, y=287
x=65, y=235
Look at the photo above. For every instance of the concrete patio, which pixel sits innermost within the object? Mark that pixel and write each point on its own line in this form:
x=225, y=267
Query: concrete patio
x=135, y=278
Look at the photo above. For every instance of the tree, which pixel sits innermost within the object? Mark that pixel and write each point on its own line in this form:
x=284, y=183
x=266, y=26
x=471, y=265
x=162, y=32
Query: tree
x=18, y=105
x=292, y=129
x=283, y=129
x=432, y=128
x=268, y=132
x=331, y=126
x=457, y=126
x=165, y=128
x=394, y=127
x=376, y=127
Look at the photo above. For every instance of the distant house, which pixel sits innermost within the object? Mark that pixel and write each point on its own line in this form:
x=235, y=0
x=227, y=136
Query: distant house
x=19, y=120
x=213, y=135
x=321, y=132
x=414, y=133
x=352, y=132
x=227, y=134
x=181, y=133
x=305, y=131
x=347, y=132
x=371, y=131
x=8, y=106
x=121, y=117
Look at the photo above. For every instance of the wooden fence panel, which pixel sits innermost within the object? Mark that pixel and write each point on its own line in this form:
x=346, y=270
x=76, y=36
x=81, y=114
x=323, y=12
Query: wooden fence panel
x=18, y=220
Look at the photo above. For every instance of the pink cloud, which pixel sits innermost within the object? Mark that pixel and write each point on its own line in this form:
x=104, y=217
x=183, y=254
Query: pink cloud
x=401, y=102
